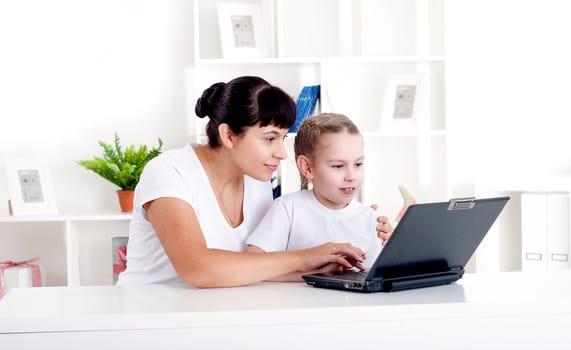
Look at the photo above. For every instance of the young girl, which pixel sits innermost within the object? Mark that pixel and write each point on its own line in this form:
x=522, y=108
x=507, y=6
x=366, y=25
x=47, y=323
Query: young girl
x=329, y=155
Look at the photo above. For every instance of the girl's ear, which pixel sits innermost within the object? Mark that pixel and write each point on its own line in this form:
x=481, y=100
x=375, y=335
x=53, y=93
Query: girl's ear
x=304, y=166
x=226, y=135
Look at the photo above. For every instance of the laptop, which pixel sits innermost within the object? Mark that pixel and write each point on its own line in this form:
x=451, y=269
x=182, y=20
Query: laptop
x=430, y=246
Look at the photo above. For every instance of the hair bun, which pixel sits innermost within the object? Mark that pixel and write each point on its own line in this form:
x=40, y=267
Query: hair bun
x=208, y=99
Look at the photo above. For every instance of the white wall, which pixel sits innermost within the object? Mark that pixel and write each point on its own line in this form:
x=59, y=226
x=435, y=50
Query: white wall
x=75, y=72
x=508, y=92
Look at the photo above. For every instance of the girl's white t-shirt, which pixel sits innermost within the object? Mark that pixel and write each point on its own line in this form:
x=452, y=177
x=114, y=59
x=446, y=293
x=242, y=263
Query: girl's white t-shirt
x=178, y=173
x=298, y=221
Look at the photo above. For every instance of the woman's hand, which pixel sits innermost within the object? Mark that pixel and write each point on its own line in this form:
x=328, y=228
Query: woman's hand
x=331, y=256
x=331, y=268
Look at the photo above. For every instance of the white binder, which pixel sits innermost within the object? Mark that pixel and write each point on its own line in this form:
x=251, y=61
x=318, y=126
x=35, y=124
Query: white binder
x=534, y=231
x=557, y=231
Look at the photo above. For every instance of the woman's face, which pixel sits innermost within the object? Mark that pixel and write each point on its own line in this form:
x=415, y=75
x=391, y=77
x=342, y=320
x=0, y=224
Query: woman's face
x=260, y=150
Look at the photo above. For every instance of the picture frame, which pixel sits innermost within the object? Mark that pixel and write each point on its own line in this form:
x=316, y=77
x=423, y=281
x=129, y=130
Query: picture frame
x=30, y=187
x=402, y=102
x=241, y=30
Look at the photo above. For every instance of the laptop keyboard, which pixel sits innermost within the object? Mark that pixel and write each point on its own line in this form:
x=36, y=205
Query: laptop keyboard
x=353, y=275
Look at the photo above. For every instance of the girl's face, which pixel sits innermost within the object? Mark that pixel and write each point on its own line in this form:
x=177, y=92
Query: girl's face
x=260, y=150
x=337, y=169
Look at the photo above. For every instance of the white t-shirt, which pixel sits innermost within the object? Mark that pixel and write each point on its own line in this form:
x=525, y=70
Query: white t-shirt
x=178, y=173
x=297, y=221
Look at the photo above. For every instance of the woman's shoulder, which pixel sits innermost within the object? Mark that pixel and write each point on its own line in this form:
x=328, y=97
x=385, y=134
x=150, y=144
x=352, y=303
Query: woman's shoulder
x=184, y=153
x=176, y=158
x=174, y=163
x=173, y=173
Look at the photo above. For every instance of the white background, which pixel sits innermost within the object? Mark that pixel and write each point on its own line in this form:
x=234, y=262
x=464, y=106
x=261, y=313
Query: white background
x=75, y=72
x=508, y=93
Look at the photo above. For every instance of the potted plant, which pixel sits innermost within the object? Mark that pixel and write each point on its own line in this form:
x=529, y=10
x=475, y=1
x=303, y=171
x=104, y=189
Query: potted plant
x=122, y=167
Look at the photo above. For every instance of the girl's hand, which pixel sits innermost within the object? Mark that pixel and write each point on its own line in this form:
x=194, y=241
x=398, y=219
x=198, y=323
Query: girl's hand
x=384, y=228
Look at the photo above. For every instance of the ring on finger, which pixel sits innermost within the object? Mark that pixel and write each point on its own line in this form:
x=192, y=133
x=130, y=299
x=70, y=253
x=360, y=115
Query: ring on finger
x=334, y=249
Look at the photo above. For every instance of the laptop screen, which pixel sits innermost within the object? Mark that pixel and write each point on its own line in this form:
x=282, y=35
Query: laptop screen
x=437, y=237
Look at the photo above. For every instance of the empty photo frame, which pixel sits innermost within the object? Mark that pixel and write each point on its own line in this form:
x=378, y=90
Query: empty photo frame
x=30, y=187
x=241, y=30
x=402, y=100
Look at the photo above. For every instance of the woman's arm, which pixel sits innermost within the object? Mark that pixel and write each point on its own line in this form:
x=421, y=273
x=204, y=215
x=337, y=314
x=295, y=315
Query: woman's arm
x=296, y=276
x=179, y=232
x=290, y=277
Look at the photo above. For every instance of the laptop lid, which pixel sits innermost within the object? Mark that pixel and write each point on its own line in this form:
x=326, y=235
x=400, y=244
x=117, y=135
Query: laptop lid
x=436, y=237
x=430, y=246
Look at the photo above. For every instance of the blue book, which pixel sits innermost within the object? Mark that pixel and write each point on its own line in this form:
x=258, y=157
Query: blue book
x=305, y=104
x=276, y=186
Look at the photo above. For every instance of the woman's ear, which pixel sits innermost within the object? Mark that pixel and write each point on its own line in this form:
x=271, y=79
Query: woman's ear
x=304, y=166
x=226, y=135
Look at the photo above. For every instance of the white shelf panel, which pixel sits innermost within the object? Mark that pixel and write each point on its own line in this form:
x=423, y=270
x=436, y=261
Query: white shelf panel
x=404, y=133
x=68, y=217
x=319, y=60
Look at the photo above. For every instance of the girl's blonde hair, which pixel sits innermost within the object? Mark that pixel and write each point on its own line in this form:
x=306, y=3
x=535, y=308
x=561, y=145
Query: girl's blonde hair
x=310, y=131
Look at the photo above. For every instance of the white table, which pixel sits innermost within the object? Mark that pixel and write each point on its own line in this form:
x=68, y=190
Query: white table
x=481, y=311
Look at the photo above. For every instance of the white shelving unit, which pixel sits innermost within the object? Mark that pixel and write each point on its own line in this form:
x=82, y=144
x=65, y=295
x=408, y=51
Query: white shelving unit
x=349, y=47
x=79, y=245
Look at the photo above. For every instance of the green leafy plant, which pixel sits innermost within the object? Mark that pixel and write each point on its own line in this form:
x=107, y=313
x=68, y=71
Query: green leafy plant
x=122, y=167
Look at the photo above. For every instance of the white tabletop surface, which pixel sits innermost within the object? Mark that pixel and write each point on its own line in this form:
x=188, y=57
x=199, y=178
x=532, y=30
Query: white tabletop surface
x=167, y=306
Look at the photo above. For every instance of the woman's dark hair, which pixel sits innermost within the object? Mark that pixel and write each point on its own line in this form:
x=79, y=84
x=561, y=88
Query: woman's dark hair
x=244, y=102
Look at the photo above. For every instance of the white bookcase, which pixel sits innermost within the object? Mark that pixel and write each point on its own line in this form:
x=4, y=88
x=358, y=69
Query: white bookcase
x=350, y=48
x=73, y=249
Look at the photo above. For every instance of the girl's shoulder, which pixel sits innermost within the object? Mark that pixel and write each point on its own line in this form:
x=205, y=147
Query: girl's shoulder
x=301, y=195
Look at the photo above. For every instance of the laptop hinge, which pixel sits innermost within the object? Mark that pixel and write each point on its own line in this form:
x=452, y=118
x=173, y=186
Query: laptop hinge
x=426, y=280
x=462, y=203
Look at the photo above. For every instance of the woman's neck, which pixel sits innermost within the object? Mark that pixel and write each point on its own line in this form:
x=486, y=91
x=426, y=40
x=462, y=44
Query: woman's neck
x=226, y=182
x=219, y=165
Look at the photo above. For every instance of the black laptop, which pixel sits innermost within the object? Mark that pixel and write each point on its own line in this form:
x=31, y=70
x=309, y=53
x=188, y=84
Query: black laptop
x=430, y=246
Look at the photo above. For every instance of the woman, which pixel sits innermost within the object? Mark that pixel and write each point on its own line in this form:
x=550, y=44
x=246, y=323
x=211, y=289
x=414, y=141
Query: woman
x=195, y=207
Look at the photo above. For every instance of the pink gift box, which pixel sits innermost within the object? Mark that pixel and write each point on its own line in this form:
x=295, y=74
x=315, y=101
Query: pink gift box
x=119, y=247
x=19, y=275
